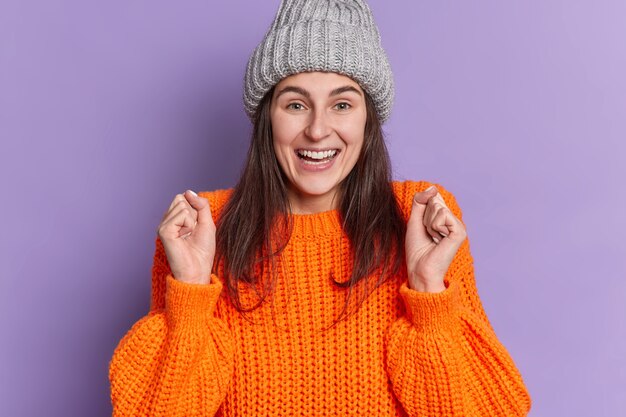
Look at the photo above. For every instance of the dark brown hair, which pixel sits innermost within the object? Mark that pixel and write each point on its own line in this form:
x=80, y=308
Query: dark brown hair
x=256, y=223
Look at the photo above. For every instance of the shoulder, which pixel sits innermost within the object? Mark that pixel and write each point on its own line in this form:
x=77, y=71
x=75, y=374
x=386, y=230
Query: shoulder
x=217, y=200
x=405, y=190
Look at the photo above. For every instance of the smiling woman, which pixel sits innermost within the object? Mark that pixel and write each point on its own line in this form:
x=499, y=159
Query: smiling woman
x=318, y=147
x=318, y=122
x=316, y=285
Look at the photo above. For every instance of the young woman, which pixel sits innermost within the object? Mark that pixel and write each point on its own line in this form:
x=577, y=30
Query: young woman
x=316, y=286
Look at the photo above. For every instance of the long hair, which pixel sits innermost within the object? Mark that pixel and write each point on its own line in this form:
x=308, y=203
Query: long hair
x=256, y=223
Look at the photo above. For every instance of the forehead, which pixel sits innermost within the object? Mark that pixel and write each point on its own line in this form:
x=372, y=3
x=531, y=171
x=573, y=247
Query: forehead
x=318, y=82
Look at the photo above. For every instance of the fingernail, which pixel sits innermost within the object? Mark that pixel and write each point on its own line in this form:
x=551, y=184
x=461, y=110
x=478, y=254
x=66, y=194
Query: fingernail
x=430, y=188
x=193, y=193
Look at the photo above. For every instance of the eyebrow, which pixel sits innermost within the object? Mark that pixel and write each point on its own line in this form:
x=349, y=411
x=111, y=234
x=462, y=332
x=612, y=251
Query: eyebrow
x=305, y=93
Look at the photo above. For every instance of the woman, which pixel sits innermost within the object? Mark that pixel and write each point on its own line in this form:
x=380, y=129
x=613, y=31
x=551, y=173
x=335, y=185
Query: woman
x=317, y=286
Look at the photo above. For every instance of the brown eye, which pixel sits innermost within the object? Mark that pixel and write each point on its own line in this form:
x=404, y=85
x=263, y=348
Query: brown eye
x=343, y=106
x=289, y=106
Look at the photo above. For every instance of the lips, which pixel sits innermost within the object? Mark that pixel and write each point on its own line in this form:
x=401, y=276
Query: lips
x=316, y=160
x=316, y=157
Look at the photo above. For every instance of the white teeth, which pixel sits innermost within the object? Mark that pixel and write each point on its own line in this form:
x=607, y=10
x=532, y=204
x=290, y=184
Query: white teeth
x=318, y=155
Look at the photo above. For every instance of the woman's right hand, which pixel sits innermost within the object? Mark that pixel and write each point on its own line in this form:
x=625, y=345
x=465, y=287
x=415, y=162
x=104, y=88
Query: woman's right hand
x=187, y=231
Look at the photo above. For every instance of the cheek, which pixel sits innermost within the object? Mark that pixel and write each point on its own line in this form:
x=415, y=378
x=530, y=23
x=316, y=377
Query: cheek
x=282, y=150
x=281, y=154
x=284, y=129
x=279, y=140
x=354, y=137
x=353, y=130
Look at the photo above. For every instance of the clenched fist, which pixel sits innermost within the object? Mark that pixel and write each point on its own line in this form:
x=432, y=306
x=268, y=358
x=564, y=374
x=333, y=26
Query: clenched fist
x=433, y=238
x=187, y=231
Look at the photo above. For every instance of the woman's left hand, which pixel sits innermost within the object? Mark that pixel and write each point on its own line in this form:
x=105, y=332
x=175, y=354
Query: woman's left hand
x=433, y=237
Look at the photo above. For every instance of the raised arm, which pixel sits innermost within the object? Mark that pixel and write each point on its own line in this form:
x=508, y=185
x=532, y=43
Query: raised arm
x=443, y=357
x=178, y=359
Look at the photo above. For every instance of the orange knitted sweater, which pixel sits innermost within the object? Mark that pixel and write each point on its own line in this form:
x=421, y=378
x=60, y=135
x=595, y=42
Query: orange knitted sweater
x=403, y=353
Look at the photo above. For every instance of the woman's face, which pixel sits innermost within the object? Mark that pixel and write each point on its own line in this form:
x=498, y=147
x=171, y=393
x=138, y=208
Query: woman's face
x=318, y=124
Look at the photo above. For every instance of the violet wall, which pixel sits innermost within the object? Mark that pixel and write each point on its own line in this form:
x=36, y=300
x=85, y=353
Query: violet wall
x=108, y=109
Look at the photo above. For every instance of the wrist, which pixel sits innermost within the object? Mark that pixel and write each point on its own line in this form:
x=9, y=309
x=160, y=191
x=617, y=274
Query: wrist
x=199, y=281
x=195, y=278
x=422, y=285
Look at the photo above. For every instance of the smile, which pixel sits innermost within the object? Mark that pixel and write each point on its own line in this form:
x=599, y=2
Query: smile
x=317, y=157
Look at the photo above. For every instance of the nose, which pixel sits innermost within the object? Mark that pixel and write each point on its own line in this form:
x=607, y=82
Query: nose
x=319, y=125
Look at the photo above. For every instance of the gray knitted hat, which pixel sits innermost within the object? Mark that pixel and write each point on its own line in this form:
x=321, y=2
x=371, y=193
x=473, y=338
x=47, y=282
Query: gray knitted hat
x=321, y=35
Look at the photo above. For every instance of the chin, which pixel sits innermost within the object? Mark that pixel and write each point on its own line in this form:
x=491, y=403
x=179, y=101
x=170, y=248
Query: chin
x=315, y=188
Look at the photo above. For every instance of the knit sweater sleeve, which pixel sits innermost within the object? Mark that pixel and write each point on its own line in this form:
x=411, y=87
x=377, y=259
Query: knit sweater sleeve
x=443, y=357
x=178, y=359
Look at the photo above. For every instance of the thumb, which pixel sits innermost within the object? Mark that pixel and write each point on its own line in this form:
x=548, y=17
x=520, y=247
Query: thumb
x=415, y=225
x=420, y=199
x=201, y=205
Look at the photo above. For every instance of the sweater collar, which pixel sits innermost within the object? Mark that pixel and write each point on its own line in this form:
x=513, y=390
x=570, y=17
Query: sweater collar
x=311, y=226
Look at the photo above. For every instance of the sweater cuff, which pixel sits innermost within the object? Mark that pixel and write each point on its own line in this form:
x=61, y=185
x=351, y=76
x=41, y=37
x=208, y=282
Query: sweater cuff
x=432, y=312
x=190, y=305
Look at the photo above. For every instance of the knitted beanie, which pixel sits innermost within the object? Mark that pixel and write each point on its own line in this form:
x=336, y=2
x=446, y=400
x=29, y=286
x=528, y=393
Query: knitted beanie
x=321, y=35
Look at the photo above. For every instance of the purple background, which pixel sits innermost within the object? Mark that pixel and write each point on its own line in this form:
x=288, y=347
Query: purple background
x=108, y=109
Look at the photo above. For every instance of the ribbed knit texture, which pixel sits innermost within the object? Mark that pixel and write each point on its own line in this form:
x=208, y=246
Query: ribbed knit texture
x=321, y=35
x=403, y=353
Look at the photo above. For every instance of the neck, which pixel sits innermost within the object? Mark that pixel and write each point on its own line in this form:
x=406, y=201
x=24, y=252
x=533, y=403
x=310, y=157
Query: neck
x=311, y=204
